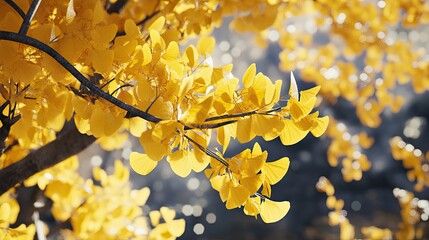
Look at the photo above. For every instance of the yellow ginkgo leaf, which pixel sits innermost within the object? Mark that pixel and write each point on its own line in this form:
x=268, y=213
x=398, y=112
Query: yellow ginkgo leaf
x=177, y=227
x=105, y=34
x=70, y=14
x=308, y=94
x=237, y=196
x=291, y=134
x=275, y=171
x=137, y=126
x=191, y=56
x=154, y=216
x=244, y=130
x=252, y=184
x=154, y=150
x=158, y=24
x=206, y=45
x=199, y=112
x=347, y=231
x=140, y=196
x=167, y=214
x=131, y=29
x=172, y=52
x=181, y=162
x=147, y=54
x=249, y=76
x=252, y=206
x=141, y=163
x=102, y=60
x=322, y=124
x=272, y=211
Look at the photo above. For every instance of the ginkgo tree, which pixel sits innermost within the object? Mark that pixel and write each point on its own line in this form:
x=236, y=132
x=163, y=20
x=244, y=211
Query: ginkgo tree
x=75, y=72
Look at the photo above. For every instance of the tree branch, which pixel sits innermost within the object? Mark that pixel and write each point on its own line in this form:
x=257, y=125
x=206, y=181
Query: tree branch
x=131, y=111
x=68, y=143
x=16, y=8
x=29, y=16
x=117, y=6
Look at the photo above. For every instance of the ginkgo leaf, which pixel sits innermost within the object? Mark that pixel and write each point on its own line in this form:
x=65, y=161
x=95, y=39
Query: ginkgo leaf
x=147, y=54
x=206, y=45
x=191, y=56
x=252, y=206
x=172, y=52
x=199, y=112
x=237, y=196
x=181, y=162
x=272, y=211
x=275, y=171
x=155, y=150
x=177, y=227
x=253, y=183
x=322, y=125
x=102, y=60
x=106, y=33
x=293, y=89
x=131, y=29
x=167, y=214
x=308, y=94
x=249, y=75
x=141, y=163
x=244, y=130
x=154, y=216
x=158, y=24
x=291, y=134
x=137, y=126
x=157, y=42
x=70, y=13
x=140, y=196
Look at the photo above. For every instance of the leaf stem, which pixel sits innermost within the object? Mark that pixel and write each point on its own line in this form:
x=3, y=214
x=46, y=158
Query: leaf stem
x=208, y=152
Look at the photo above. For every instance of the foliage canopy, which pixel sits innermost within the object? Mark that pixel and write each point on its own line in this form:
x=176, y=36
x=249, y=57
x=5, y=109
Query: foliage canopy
x=74, y=72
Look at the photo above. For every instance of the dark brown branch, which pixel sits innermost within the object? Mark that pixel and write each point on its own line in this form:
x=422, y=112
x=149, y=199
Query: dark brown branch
x=16, y=8
x=117, y=6
x=131, y=111
x=68, y=143
x=29, y=16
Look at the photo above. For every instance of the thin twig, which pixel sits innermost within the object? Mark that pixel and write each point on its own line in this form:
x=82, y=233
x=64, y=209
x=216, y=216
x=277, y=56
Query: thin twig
x=16, y=8
x=29, y=16
x=208, y=152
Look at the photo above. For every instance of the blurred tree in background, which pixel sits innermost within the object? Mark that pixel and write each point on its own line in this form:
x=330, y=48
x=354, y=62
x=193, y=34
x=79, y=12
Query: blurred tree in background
x=151, y=84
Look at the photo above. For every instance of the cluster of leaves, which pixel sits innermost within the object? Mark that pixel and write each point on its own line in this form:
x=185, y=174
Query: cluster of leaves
x=105, y=209
x=347, y=148
x=9, y=209
x=412, y=210
x=414, y=214
x=412, y=159
x=362, y=28
x=122, y=66
x=116, y=68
